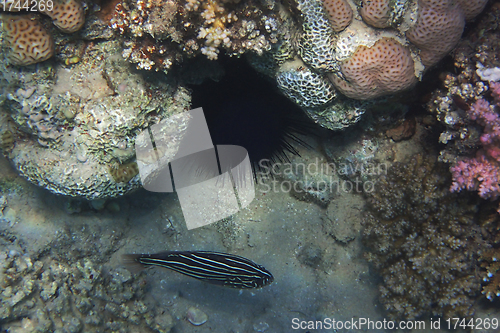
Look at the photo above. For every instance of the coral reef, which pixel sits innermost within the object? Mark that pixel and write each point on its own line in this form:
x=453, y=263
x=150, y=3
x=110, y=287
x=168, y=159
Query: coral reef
x=468, y=107
x=59, y=296
x=339, y=12
x=490, y=258
x=67, y=15
x=79, y=114
x=384, y=68
x=74, y=126
x=123, y=173
x=482, y=172
x=361, y=49
x=473, y=56
x=439, y=27
x=424, y=241
x=159, y=34
x=378, y=13
x=27, y=41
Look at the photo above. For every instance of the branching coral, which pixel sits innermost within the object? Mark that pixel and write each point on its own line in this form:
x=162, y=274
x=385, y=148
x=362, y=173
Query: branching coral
x=160, y=33
x=424, y=242
x=491, y=264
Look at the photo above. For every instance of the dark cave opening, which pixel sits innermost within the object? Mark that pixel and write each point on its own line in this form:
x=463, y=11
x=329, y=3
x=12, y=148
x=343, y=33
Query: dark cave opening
x=246, y=109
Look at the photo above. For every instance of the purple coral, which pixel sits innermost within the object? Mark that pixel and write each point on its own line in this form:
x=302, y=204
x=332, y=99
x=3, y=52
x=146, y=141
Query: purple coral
x=482, y=173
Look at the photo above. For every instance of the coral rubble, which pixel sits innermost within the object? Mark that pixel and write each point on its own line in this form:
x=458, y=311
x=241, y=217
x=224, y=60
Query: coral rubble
x=424, y=241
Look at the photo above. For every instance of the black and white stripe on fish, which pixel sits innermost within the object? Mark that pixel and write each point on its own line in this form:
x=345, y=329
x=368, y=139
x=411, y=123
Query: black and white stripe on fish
x=212, y=267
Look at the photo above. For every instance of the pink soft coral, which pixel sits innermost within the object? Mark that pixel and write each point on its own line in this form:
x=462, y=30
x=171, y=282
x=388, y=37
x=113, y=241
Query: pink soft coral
x=482, y=173
x=477, y=174
x=495, y=91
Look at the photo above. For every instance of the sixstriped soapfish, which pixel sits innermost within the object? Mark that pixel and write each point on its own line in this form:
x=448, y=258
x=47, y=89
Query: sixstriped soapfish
x=213, y=267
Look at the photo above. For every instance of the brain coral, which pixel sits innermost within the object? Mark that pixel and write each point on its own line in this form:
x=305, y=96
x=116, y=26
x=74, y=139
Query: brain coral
x=384, y=68
x=75, y=126
x=27, y=40
x=424, y=241
x=67, y=15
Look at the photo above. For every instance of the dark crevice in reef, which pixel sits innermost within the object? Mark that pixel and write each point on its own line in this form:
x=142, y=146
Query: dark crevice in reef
x=243, y=108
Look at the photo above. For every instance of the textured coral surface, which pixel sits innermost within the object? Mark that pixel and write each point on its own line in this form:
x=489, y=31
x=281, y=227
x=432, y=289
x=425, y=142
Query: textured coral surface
x=159, y=34
x=424, y=242
x=421, y=34
x=376, y=13
x=329, y=57
x=28, y=42
x=67, y=15
x=384, y=68
x=27, y=39
x=340, y=13
x=467, y=105
x=81, y=123
x=439, y=27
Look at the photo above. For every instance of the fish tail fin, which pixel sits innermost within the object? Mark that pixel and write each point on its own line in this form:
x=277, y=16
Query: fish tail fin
x=131, y=262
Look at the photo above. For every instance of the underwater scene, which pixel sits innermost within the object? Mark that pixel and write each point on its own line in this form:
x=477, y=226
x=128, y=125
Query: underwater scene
x=240, y=166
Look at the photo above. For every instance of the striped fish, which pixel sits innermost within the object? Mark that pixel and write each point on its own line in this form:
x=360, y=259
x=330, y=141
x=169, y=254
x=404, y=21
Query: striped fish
x=212, y=267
